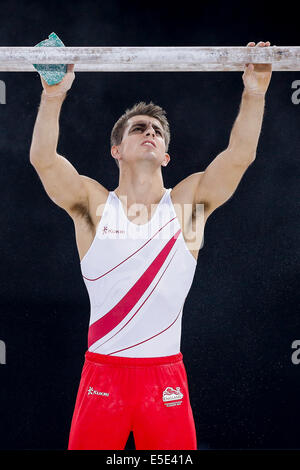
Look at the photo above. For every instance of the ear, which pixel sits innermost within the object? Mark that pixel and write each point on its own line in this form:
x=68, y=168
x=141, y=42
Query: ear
x=115, y=152
x=166, y=159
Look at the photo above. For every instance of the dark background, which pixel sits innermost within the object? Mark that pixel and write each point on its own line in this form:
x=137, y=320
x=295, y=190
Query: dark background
x=241, y=315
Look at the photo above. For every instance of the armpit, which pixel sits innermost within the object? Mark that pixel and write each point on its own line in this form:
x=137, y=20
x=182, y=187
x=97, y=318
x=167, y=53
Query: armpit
x=81, y=210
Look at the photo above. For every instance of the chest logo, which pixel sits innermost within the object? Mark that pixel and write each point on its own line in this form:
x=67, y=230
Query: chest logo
x=107, y=230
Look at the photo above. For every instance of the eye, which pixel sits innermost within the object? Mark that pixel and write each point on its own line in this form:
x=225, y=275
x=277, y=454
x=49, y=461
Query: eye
x=141, y=128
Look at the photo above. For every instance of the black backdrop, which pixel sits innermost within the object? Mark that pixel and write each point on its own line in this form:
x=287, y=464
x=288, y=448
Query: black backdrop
x=241, y=315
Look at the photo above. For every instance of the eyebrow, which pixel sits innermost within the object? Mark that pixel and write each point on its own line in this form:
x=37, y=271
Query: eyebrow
x=144, y=123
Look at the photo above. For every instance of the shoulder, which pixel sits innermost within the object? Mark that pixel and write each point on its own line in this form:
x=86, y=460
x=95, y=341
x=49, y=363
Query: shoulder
x=184, y=191
x=94, y=189
x=96, y=195
x=92, y=185
x=185, y=195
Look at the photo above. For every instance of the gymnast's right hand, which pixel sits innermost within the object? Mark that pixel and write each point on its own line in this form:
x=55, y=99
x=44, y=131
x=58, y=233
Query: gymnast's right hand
x=62, y=87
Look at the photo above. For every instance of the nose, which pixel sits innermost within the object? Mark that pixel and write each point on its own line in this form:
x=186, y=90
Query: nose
x=150, y=131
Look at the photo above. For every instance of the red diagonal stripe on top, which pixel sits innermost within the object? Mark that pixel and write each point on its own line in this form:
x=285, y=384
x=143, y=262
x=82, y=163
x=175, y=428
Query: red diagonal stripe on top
x=144, y=301
x=112, y=318
x=132, y=254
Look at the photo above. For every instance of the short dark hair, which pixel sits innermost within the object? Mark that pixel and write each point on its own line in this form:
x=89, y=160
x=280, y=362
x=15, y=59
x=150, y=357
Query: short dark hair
x=142, y=108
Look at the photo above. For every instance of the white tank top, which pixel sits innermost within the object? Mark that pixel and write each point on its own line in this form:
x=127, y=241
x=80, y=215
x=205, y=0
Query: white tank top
x=137, y=277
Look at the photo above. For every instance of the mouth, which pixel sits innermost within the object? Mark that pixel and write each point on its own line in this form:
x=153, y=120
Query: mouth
x=149, y=142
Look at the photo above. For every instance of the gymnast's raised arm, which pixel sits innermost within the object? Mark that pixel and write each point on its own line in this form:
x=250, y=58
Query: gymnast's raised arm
x=60, y=179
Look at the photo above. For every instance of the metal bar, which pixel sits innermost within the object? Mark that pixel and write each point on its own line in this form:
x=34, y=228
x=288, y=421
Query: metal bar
x=150, y=59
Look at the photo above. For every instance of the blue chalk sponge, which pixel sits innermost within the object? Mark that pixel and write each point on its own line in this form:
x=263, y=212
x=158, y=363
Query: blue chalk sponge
x=54, y=73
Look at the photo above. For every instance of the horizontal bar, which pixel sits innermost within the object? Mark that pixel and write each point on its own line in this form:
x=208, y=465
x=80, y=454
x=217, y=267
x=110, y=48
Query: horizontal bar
x=150, y=59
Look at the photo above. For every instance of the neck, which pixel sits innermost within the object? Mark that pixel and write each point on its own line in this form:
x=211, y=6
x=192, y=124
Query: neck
x=141, y=188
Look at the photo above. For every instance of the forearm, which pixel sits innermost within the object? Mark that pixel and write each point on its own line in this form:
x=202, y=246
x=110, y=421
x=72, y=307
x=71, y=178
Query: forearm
x=46, y=130
x=247, y=127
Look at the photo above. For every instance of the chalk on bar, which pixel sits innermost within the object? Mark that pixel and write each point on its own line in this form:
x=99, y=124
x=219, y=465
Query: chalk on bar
x=51, y=73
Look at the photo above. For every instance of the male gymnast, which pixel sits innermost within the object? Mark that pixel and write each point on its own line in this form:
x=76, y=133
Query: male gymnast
x=138, y=263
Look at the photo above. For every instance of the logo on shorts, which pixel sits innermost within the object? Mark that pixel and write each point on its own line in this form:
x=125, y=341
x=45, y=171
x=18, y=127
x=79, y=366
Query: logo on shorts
x=91, y=391
x=173, y=396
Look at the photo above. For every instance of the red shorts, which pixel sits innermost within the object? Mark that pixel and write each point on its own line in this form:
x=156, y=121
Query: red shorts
x=148, y=396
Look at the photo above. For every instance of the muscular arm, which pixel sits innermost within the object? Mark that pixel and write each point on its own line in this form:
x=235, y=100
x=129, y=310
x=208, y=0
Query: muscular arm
x=46, y=130
x=60, y=179
x=220, y=179
x=247, y=127
x=222, y=176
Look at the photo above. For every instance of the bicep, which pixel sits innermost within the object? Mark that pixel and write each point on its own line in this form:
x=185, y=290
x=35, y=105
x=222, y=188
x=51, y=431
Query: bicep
x=221, y=178
x=63, y=184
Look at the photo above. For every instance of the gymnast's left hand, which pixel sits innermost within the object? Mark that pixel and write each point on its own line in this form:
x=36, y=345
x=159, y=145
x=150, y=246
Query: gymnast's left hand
x=256, y=77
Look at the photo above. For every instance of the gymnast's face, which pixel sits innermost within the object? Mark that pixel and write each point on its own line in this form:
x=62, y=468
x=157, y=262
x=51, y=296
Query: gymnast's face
x=133, y=149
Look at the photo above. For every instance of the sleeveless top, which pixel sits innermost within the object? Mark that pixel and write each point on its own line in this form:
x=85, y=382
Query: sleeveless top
x=137, y=278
